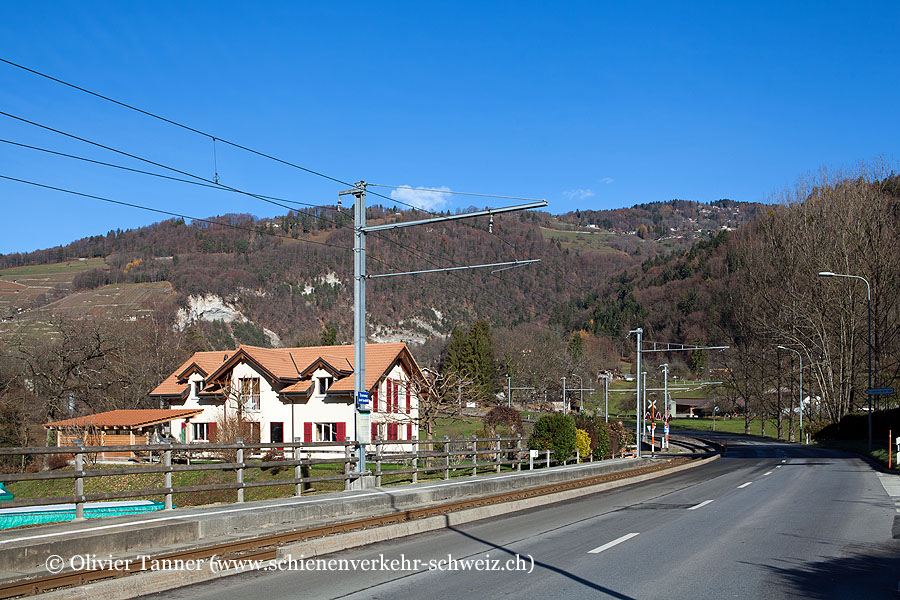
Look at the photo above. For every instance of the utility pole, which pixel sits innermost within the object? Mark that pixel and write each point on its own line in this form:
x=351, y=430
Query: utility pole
x=564, y=395
x=640, y=333
x=606, y=390
x=360, y=230
x=644, y=407
x=510, y=388
x=665, y=368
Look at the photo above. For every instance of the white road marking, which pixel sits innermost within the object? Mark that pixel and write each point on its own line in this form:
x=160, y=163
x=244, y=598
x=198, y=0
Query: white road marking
x=615, y=542
x=743, y=485
x=767, y=473
x=778, y=467
x=701, y=505
x=784, y=461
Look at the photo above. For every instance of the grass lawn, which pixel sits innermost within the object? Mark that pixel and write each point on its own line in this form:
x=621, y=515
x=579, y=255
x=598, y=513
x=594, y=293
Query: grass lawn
x=72, y=266
x=731, y=426
x=456, y=428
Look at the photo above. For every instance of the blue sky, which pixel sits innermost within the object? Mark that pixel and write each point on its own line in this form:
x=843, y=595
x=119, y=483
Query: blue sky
x=589, y=105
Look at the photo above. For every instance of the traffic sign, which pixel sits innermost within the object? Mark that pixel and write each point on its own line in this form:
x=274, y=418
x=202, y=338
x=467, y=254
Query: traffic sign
x=362, y=401
x=880, y=391
x=667, y=429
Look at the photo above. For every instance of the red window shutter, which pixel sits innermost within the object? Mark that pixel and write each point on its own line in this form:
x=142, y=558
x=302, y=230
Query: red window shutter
x=374, y=431
x=408, y=398
x=375, y=400
x=307, y=432
x=213, y=435
x=389, y=396
x=396, y=396
x=409, y=431
x=392, y=431
x=341, y=431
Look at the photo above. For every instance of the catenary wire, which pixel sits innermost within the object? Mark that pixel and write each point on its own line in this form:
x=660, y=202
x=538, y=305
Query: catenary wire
x=253, y=151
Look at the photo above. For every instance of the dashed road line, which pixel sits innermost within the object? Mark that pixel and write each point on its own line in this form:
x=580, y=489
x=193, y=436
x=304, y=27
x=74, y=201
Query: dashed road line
x=767, y=473
x=615, y=542
x=701, y=505
x=743, y=485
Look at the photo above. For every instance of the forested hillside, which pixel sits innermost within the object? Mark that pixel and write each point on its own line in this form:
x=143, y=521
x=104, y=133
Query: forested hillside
x=293, y=274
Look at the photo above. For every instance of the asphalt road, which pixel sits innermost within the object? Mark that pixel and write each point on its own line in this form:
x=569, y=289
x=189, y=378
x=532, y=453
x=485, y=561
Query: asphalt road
x=768, y=520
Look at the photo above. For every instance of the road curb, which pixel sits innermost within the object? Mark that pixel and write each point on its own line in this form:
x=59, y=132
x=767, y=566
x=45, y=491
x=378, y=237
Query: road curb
x=149, y=582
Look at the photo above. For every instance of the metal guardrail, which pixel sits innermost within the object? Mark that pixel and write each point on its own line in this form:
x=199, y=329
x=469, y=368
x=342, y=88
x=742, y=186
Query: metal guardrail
x=449, y=456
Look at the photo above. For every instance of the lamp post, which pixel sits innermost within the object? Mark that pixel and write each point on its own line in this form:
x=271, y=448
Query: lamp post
x=581, y=391
x=869, y=303
x=637, y=413
x=797, y=352
x=606, y=390
x=644, y=405
x=665, y=368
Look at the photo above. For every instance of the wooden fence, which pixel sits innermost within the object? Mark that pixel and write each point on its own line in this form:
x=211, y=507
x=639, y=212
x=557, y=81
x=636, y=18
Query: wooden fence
x=447, y=456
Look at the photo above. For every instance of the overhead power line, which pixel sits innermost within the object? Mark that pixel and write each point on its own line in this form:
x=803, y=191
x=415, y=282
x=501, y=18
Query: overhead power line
x=214, y=186
x=164, y=212
x=216, y=138
x=175, y=123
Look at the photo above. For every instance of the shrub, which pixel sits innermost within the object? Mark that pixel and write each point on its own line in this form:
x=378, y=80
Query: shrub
x=503, y=421
x=554, y=432
x=619, y=437
x=582, y=443
x=598, y=431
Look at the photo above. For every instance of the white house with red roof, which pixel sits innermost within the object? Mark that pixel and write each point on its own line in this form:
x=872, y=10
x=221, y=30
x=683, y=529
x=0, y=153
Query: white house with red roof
x=294, y=394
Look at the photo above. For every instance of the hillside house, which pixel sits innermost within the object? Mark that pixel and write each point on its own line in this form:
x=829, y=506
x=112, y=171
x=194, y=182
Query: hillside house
x=293, y=394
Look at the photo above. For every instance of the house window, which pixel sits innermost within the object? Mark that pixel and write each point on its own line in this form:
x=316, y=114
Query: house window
x=200, y=432
x=200, y=385
x=325, y=383
x=331, y=432
x=249, y=389
x=326, y=432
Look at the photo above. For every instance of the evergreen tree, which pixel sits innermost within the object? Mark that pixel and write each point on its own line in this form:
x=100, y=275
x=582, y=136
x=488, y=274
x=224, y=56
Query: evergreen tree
x=576, y=348
x=329, y=335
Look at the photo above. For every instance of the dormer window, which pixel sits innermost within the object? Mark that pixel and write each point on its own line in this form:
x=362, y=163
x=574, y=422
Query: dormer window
x=325, y=383
x=200, y=385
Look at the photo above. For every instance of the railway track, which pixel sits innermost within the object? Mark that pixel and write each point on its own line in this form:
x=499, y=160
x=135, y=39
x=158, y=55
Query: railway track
x=265, y=547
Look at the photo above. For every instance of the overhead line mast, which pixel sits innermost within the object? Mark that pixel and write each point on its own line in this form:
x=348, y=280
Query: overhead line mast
x=360, y=230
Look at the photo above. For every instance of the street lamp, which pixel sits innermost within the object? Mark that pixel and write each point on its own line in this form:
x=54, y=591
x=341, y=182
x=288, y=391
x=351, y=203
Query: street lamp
x=801, y=387
x=564, y=395
x=581, y=390
x=606, y=377
x=869, y=302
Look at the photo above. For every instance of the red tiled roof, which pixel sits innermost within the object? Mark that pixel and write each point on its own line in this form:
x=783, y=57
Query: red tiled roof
x=173, y=386
x=287, y=365
x=125, y=418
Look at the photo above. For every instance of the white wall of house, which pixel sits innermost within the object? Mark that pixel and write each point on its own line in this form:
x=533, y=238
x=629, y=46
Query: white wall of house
x=318, y=409
x=382, y=418
x=324, y=409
